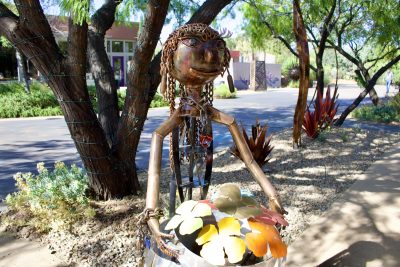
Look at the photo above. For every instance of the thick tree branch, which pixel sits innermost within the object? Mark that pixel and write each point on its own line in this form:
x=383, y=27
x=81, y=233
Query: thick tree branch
x=387, y=66
x=104, y=17
x=6, y=13
x=32, y=17
x=100, y=67
x=208, y=11
x=8, y=21
x=77, y=40
x=344, y=53
x=137, y=95
x=326, y=29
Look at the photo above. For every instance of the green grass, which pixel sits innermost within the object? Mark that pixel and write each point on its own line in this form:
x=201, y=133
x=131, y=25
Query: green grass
x=390, y=112
x=15, y=103
x=222, y=91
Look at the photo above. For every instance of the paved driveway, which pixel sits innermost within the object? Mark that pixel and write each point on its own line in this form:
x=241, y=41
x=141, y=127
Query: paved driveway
x=24, y=142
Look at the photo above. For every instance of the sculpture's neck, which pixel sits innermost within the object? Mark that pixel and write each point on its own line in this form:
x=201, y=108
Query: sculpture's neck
x=194, y=92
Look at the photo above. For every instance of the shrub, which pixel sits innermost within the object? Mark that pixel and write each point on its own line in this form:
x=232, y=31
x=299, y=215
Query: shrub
x=222, y=91
x=387, y=113
x=384, y=114
x=158, y=101
x=54, y=199
x=294, y=84
x=258, y=143
x=14, y=102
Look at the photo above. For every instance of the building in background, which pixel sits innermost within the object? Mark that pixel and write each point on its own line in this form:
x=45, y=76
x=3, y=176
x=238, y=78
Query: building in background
x=120, y=41
x=243, y=70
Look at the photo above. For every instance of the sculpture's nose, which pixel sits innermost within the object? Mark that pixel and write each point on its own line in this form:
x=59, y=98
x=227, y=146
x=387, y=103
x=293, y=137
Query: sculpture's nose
x=210, y=55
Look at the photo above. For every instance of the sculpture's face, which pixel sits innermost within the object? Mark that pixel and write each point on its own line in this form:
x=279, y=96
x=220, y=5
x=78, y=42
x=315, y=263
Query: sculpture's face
x=196, y=62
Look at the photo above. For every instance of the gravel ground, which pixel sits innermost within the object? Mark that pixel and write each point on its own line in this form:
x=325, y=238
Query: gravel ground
x=308, y=180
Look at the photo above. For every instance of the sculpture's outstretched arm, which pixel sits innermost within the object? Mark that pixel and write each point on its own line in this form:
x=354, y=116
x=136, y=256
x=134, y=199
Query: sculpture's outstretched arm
x=153, y=181
x=251, y=164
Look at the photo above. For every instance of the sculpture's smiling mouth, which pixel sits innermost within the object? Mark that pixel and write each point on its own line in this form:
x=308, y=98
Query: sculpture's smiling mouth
x=203, y=72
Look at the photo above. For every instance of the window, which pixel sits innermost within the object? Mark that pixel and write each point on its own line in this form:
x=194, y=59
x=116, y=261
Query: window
x=117, y=46
x=129, y=47
x=108, y=46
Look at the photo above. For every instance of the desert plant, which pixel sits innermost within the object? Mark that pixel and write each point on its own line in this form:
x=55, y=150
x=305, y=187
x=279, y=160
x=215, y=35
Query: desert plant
x=53, y=199
x=323, y=114
x=258, y=143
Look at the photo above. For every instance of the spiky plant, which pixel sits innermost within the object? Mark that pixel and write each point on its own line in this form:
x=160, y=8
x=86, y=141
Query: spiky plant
x=324, y=112
x=258, y=143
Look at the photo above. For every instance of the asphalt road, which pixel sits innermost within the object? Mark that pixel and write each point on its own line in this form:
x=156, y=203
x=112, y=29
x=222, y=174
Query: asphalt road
x=24, y=142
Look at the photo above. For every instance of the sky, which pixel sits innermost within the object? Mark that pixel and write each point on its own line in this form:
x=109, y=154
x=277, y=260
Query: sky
x=232, y=25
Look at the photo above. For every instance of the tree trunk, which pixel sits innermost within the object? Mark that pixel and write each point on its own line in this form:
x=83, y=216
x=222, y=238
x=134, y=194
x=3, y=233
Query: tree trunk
x=22, y=71
x=66, y=77
x=304, y=56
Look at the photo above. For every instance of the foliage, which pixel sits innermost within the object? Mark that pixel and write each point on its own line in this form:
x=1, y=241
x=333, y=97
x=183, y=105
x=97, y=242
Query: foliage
x=55, y=199
x=323, y=114
x=222, y=91
x=15, y=102
x=370, y=34
x=158, y=101
x=258, y=143
x=386, y=113
x=79, y=9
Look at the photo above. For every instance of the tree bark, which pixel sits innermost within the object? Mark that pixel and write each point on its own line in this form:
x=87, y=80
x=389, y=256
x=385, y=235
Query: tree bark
x=368, y=88
x=304, y=58
x=100, y=67
x=325, y=31
x=320, y=72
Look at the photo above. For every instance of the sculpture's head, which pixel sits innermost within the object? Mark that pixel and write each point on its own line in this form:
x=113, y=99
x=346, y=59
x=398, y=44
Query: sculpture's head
x=194, y=55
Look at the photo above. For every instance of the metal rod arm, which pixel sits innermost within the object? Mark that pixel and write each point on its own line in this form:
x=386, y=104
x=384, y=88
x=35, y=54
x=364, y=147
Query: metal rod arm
x=248, y=159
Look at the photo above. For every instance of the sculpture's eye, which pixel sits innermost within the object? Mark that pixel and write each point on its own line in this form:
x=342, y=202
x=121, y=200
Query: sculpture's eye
x=191, y=42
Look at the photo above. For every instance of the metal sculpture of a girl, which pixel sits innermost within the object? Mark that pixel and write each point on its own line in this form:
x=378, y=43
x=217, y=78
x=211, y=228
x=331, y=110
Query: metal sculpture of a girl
x=194, y=55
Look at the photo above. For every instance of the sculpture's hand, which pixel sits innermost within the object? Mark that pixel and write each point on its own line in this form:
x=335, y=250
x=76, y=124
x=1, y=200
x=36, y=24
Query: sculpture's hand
x=160, y=238
x=276, y=205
